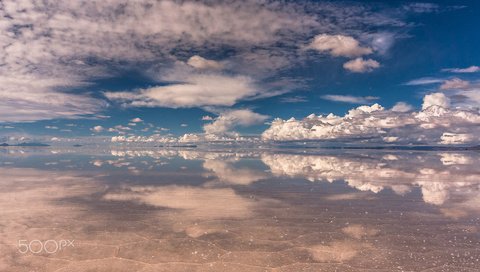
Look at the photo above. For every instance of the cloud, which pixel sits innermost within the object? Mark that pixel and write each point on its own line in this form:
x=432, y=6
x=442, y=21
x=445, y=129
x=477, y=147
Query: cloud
x=422, y=7
x=339, y=45
x=435, y=99
x=456, y=138
x=136, y=120
x=97, y=129
x=50, y=49
x=424, y=81
x=183, y=125
x=402, y=107
x=207, y=118
x=349, y=98
x=202, y=63
x=293, y=99
x=197, y=90
x=471, y=69
x=378, y=125
x=228, y=120
x=454, y=83
x=360, y=65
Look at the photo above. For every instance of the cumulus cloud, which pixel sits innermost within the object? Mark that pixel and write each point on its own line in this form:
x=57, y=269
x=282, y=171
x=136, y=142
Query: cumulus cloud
x=360, y=65
x=339, y=45
x=349, y=98
x=454, y=83
x=471, y=69
x=97, y=129
x=227, y=121
x=136, y=120
x=202, y=63
x=376, y=124
x=402, y=107
x=435, y=99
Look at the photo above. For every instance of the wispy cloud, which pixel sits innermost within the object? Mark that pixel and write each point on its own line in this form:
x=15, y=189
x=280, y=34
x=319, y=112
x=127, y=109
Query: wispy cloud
x=349, y=98
x=424, y=81
x=293, y=99
x=471, y=69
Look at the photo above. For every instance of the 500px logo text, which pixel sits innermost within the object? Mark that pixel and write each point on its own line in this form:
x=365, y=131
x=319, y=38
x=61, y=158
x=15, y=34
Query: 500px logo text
x=47, y=246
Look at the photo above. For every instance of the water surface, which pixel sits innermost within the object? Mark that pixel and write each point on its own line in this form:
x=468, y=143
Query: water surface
x=239, y=210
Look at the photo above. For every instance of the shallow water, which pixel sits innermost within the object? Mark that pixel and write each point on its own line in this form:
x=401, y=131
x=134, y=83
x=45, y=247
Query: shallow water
x=238, y=210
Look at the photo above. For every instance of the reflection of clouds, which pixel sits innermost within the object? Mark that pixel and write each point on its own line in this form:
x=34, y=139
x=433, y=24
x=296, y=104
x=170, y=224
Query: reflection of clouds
x=439, y=175
x=125, y=224
x=190, y=202
x=452, y=174
x=338, y=251
x=455, y=158
x=30, y=210
x=195, y=211
x=358, y=231
x=226, y=171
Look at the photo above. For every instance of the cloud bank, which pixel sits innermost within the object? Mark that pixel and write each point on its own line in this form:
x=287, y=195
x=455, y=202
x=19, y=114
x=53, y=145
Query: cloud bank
x=53, y=52
x=436, y=123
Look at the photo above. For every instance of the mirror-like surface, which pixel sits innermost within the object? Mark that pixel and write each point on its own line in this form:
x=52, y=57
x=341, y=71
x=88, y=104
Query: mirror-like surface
x=193, y=210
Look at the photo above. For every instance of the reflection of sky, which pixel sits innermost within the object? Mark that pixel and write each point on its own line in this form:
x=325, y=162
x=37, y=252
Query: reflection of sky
x=229, y=210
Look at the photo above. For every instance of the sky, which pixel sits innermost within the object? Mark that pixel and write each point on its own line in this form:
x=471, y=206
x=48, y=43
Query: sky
x=391, y=72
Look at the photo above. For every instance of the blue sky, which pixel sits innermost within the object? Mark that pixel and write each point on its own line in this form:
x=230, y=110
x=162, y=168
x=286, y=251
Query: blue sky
x=81, y=71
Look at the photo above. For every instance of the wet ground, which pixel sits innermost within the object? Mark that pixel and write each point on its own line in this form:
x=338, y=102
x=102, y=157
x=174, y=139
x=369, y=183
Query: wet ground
x=238, y=210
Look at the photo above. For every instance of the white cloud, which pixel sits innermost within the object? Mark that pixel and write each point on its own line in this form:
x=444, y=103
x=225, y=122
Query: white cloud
x=52, y=48
x=375, y=124
x=136, y=120
x=207, y=118
x=455, y=138
x=454, y=83
x=183, y=125
x=228, y=120
x=97, y=129
x=471, y=69
x=339, y=45
x=360, y=65
x=424, y=81
x=402, y=107
x=435, y=99
x=156, y=138
x=197, y=90
x=202, y=63
x=349, y=98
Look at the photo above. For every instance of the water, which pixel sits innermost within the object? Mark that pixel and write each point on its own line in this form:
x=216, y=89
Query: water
x=238, y=210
